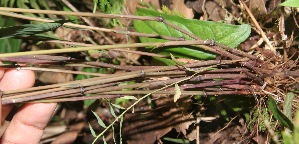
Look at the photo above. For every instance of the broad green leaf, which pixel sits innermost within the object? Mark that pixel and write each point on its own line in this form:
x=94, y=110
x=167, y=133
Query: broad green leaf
x=29, y=29
x=100, y=122
x=290, y=3
x=287, y=107
x=229, y=35
x=92, y=131
x=178, y=92
x=285, y=121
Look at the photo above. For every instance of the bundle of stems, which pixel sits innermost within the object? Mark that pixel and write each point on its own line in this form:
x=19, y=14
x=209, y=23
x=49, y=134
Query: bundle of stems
x=239, y=73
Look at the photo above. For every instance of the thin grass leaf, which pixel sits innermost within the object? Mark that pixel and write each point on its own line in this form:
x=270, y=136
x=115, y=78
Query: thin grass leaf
x=34, y=4
x=100, y=122
x=113, y=134
x=120, y=129
x=178, y=92
x=177, y=140
x=11, y=3
x=129, y=97
x=296, y=129
x=175, y=60
x=43, y=4
x=112, y=111
x=4, y=3
x=287, y=107
x=104, y=140
x=95, y=4
x=118, y=106
x=285, y=121
x=92, y=131
x=22, y=4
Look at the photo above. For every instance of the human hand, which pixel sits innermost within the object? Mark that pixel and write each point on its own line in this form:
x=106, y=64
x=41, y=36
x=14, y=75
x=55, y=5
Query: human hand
x=28, y=123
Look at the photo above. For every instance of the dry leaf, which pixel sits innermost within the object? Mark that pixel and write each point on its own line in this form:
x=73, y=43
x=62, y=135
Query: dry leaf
x=147, y=125
x=71, y=135
x=258, y=7
x=177, y=92
x=179, y=5
x=54, y=77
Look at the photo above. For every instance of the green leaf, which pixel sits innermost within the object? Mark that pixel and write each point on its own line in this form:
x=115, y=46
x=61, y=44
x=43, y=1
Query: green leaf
x=4, y=3
x=120, y=128
x=177, y=140
x=178, y=92
x=88, y=103
x=43, y=4
x=285, y=121
x=296, y=128
x=112, y=111
x=9, y=45
x=11, y=3
x=290, y=3
x=229, y=35
x=75, y=19
x=92, y=131
x=287, y=137
x=29, y=29
x=165, y=61
x=175, y=60
x=33, y=4
x=95, y=3
x=100, y=122
x=287, y=107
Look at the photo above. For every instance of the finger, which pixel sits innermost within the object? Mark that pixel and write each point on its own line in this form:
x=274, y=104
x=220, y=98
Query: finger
x=14, y=79
x=28, y=124
x=17, y=79
x=1, y=71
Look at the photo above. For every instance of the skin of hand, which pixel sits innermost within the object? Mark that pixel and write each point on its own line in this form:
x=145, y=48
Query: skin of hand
x=28, y=123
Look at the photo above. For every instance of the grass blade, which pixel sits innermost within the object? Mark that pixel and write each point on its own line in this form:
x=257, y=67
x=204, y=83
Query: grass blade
x=100, y=122
x=285, y=121
x=287, y=107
